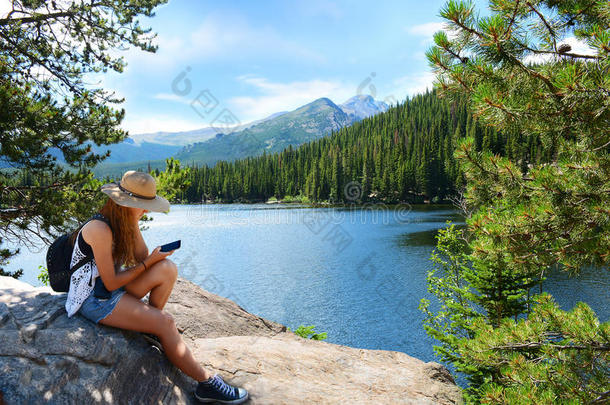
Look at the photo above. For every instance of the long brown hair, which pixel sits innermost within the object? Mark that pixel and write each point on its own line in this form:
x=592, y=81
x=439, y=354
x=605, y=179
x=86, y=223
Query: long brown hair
x=123, y=232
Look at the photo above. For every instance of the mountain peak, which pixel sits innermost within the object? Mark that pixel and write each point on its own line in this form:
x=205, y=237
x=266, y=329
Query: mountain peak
x=362, y=106
x=366, y=98
x=322, y=101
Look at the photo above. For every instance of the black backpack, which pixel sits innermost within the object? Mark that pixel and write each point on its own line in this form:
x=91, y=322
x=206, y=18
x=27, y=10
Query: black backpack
x=59, y=257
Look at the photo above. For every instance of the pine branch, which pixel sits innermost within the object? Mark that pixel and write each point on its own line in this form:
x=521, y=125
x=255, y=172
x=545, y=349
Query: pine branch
x=537, y=345
x=602, y=398
x=36, y=18
x=512, y=19
x=552, y=32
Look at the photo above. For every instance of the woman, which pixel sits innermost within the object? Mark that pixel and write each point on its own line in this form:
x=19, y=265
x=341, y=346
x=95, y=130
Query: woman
x=105, y=293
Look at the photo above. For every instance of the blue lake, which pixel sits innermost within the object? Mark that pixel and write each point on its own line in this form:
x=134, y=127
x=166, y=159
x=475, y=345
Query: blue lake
x=358, y=275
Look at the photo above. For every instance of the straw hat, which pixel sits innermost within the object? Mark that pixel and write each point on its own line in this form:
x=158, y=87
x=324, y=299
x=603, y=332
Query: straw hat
x=136, y=190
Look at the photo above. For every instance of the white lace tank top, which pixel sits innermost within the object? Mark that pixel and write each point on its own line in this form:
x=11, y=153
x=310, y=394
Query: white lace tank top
x=82, y=280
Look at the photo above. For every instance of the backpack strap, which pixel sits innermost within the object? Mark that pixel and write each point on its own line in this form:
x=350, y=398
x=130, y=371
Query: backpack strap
x=80, y=264
x=102, y=218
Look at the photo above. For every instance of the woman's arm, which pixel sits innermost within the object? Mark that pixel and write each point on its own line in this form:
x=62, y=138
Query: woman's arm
x=99, y=236
x=141, y=252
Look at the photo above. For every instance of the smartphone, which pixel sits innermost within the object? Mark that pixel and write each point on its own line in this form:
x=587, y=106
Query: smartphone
x=170, y=246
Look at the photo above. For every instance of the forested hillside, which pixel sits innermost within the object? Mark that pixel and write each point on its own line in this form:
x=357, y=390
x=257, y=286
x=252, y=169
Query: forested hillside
x=403, y=154
x=307, y=123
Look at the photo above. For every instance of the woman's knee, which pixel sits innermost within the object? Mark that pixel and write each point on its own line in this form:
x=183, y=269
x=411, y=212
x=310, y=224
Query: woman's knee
x=166, y=323
x=169, y=320
x=168, y=269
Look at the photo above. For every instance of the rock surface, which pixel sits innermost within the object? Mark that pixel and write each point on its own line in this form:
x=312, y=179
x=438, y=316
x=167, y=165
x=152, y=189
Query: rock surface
x=46, y=357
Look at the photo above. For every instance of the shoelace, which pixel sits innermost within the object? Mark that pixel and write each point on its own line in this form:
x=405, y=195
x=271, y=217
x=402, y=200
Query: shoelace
x=222, y=386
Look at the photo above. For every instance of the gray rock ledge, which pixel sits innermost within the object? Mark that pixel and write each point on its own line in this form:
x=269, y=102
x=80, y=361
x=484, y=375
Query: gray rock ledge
x=46, y=357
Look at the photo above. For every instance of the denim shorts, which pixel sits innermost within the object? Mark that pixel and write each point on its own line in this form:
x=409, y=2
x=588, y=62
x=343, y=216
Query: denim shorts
x=96, y=309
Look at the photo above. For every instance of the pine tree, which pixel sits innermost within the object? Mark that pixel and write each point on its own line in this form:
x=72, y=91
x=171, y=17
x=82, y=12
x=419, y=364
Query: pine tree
x=46, y=105
x=422, y=124
x=366, y=180
x=336, y=192
x=549, y=208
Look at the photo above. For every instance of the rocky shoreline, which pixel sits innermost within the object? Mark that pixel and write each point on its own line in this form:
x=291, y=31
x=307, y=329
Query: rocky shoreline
x=46, y=357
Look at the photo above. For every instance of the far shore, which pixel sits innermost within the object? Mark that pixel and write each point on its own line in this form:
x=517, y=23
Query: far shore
x=322, y=203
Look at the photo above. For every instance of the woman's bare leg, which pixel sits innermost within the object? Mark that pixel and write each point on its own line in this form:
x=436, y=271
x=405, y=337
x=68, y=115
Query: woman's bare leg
x=132, y=314
x=159, y=279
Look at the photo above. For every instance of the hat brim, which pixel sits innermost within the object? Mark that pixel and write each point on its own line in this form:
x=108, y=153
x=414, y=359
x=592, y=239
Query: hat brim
x=159, y=204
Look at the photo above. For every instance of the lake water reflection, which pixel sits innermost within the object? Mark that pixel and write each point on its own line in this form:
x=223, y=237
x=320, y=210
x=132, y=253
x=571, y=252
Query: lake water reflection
x=357, y=274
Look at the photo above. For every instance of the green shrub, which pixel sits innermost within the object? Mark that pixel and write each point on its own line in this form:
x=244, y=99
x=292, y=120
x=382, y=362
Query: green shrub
x=308, y=332
x=43, y=277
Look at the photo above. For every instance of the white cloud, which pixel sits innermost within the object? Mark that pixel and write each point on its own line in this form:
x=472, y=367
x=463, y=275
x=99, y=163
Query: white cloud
x=138, y=124
x=111, y=82
x=5, y=7
x=233, y=35
x=578, y=46
x=413, y=84
x=172, y=97
x=426, y=29
x=272, y=97
x=219, y=38
x=277, y=96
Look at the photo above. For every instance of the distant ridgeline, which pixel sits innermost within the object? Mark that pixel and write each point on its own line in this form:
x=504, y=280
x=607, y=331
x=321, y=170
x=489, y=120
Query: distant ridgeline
x=404, y=154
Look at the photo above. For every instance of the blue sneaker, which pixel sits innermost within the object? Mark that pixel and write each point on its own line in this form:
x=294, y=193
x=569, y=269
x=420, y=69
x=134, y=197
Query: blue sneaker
x=216, y=390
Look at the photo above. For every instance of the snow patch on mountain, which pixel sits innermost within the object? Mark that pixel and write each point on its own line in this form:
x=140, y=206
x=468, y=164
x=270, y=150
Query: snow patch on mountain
x=362, y=106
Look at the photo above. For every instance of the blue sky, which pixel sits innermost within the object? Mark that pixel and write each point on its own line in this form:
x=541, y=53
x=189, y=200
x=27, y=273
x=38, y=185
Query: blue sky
x=254, y=58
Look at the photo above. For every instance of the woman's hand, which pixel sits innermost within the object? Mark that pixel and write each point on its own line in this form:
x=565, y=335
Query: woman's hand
x=156, y=256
